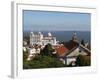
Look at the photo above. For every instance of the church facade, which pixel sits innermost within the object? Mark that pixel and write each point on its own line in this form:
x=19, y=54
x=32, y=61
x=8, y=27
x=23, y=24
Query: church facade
x=40, y=39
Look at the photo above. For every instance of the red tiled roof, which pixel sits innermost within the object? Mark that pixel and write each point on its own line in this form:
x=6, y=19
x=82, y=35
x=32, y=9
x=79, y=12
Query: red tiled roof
x=61, y=51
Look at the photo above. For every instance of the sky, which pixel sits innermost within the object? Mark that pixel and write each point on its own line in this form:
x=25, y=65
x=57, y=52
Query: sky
x=55, y=21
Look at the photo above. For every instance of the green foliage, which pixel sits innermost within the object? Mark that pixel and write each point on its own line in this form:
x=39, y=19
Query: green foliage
x=47, y=50
x=83, y=60
x=42, y=62
x=25, y=55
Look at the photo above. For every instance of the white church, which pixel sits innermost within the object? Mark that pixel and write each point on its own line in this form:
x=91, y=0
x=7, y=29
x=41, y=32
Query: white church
x=40, y=39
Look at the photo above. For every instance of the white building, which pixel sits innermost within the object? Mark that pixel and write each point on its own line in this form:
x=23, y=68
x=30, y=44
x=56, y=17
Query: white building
x=72, y=55
x=41, y=40
x=32, y=52
x=36, y=38
x=24, y=49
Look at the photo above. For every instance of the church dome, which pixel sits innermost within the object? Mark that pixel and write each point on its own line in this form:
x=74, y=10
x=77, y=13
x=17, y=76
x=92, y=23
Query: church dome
x=31, y=33
x=39, y=33
x=49, y=34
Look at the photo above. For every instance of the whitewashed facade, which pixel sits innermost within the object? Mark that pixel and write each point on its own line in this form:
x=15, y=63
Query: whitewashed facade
x=41, y=40
x=32, y=52
x=71, y=57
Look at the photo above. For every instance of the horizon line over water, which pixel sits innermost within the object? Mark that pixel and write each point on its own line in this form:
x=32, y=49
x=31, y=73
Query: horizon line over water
x=64, y=35
x=57, y=30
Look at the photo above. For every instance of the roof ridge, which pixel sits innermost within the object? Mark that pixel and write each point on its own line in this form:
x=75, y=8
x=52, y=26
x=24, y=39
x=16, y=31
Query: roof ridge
x=71, y=50
x=85, y=48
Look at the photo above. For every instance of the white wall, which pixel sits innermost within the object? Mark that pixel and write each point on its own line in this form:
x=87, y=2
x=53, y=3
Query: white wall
x=5, y=42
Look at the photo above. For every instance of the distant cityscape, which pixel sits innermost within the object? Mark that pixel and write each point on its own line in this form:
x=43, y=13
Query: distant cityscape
x=69, y=53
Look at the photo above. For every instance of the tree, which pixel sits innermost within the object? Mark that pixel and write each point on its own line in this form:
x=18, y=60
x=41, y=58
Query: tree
x=82, y=42
x=47, y=50
x=83, y=60
x=43, y=62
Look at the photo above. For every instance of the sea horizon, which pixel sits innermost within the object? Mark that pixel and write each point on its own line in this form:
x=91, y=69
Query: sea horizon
x=63, y=35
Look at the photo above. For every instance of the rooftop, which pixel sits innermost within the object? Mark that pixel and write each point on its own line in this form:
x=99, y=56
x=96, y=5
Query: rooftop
x=61, y=51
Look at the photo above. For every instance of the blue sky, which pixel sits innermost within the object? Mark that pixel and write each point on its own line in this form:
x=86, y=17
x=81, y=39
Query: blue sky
x=56, y=21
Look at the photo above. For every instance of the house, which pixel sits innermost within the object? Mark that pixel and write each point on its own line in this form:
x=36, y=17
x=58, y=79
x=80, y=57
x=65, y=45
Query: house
x=61, y=51
x=69, y=56
x=33, y=52
x=24, y=43
x=24, y=49
x=71, y=50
